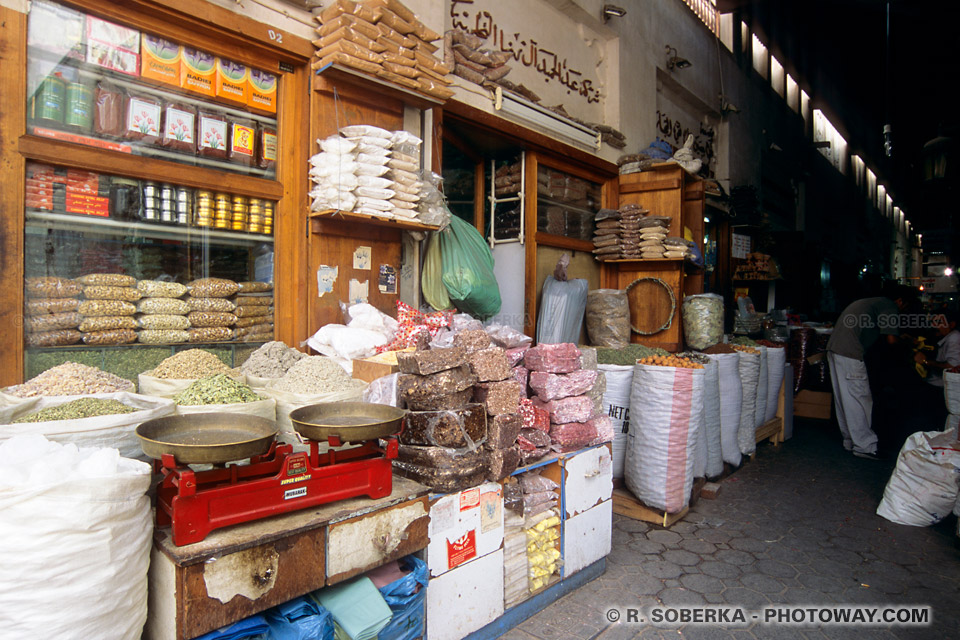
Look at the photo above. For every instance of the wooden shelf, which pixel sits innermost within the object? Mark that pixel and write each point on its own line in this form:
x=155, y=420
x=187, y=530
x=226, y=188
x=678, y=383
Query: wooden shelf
x=647, y=260
x=391, y=223
x=78, y=156
x=562, y=242
x=336, y=72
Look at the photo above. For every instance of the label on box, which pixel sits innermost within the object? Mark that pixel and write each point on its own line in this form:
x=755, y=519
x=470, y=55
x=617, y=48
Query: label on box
x=469, y=499
x=143, y=117
x=88, y=205
x=242, y=138
x=268, y=143
x=160, y=60
x=213, y=133
x=112, y=46
x=230, y=80
x=462, y=549
x=178, y=125
x=491, y=507
x=197, y=71
x=263, y=90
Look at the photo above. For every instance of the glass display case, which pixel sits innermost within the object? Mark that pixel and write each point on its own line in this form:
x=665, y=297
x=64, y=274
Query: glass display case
x=187, y=219
x=566, y=204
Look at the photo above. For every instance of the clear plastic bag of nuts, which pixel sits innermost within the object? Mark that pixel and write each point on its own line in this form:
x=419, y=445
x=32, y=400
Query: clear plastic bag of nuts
x=203, y=319
x=162, y=336
x=52, y=287
x=210, y=334
x=59, y=338
x=114, y=336
x=210, y=304
x=160, y=289
x=108, y=280
x=213, y=288
x=107, y=323
x=163, y=322
x=52, y=322
x=105, y=292
x=163, y=306
x=107, y=308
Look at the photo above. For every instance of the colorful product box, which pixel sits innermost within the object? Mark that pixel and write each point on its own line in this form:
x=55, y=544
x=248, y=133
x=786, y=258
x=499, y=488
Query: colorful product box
x=197, y=71
x=231, y=81
x=160, y=60
x=263, y=91
x=113, y=46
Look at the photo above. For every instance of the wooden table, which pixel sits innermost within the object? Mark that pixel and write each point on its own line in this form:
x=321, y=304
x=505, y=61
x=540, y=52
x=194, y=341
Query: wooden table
x=242, y=570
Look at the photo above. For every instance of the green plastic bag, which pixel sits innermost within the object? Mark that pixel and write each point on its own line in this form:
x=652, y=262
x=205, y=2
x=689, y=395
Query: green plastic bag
x=431, y=280
x=468, y=270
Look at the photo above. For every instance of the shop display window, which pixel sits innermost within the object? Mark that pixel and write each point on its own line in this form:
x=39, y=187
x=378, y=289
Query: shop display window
x=566, y=204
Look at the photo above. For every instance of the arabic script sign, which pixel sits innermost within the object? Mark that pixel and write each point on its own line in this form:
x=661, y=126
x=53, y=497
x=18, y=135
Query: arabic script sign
x=522, y=48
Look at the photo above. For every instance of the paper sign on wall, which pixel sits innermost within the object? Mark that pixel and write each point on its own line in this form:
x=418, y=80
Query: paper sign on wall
x=387, y=282
x=469, y=499
x=359, y=291
x=326, y=277
x=462, y=549
x=490, y=508
x=741, y=246
x=361, y=258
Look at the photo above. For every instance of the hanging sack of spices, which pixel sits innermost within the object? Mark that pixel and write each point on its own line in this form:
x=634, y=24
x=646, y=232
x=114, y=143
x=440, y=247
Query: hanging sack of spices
x=731, y=401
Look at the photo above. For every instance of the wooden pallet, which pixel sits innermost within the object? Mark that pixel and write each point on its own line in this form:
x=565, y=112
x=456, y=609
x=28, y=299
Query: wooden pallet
x=626, y=504
x=771, y=430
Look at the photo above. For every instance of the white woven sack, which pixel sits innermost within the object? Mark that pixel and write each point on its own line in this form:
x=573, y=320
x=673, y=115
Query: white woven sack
x=923, y=488
x=169, y=387
x=951, y=391
x=952, y=422
x=731, y=400
x=75, y=554
x=666, y=406
x=616, y=404
x=257, y=383
x=113, y=431
x=287, y=402
x=776, y=361
x=699, y=448
x=749, y=375
x=761, y=409
x=711, y=419
x=266, y=408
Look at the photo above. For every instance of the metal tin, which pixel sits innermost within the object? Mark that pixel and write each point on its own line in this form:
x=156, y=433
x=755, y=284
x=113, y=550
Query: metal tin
x=222, y=197
x=166, y=191
x=49, y=101
x=240, y=200
x=204, y=222
x=166, y=216
x=166, y=205
x=150, y=190
x=151, y=214
x=150, y=202
x=183, y=207
x=256, y=202
x=239, y=226
x=183, y=217
x=221, y=224
x=78, y=114
x=183, y=195
x=253, y=228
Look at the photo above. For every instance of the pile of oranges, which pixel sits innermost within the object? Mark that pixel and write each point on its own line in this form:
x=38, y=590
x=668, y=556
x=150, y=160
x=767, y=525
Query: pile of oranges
x=745, y=349
x=670, y=361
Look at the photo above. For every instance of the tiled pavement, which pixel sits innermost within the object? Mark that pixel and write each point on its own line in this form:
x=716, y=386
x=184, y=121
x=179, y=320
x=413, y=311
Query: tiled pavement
x=795, y=527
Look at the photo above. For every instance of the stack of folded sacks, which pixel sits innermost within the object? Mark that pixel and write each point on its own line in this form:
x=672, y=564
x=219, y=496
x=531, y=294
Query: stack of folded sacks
x=606, y=235
x=463, y=53
x=333, y=172
x=506, y=180
x=374, y=190
x=442, y=444
x=561, y=386
x=630, y=238
x=652, y=233
x=677, y=248
x=383, y=38
x=404, y=164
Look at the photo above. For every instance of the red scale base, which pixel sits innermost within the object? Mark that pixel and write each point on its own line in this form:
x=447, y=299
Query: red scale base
x=197, y=502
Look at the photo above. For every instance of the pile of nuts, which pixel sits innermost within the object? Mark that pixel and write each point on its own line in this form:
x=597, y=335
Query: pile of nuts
x=670, y=361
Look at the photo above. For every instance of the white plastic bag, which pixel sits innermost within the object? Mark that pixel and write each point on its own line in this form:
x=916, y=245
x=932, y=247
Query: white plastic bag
x=114, y=431
x=749, y=376
x=562, y=305
x=712, y=419
x=762, y=374
x=384, y=390
x=616, y=405
x=75, y=548
x=731, y=400
x=339, y=341
x=702, y=320
x=924, y=485
x=169, y=387
x=266, y=408
x=776, y=361
x=666, y=406
x=951, y=392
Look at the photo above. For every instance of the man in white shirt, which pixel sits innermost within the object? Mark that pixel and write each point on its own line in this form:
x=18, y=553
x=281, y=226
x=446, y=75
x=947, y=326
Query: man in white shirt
x=948, y=351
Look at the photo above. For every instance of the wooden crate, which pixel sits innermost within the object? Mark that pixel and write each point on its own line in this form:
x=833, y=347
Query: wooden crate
x=813, y=404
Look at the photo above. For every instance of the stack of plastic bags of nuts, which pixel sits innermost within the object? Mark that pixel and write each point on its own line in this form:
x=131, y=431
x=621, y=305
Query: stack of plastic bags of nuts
x=51, y=312
x=211, y=311
x=108, y=308
x=162, y=315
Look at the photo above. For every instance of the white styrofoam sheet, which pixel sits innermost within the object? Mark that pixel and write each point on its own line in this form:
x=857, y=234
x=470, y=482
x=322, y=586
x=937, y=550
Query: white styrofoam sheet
x=587, y=537
x=465, y=599
x=589, y=480
x=464, y=526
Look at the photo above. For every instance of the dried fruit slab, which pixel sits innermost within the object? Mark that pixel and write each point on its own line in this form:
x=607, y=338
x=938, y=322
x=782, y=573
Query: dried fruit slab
x=500, y=463
x=442, y=480
x=430, y=361
x=573, y=409
x=498, y=397
x=528, y=457
x=502, y=431
x=552, y=386
x=553, y=358
x=413, y=386
x=443, y=458
x=521, y=375
x=515, y=355
x=472, y=340
x=489, y=365
x=573, y=435
x=457, y=428
x=454, y=400
x=530, y=439
x=588, y=358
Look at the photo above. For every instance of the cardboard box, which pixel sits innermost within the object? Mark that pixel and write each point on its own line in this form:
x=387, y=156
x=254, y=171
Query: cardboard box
x=588, y=536
x=465, y=599
x=588, y=480
x=465, y=526
x=113, y=46
x=369, y=370
x=160, y=59
x=231, y=81
x=813, y=404
x=263, y=90
x=197, y=70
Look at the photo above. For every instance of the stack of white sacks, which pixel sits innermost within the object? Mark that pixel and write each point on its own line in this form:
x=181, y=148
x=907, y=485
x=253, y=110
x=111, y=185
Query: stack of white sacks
x=368, y=170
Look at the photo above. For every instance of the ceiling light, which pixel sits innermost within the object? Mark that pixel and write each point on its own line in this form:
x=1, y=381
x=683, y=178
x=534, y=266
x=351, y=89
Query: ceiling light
x=612, y=11
x=948, y=272
x=675, y=61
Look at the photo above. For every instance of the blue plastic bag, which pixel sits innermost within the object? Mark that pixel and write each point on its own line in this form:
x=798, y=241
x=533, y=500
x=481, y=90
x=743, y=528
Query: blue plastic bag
x=248, y=628
x=468, y=270
x=406, y=601
x=300, y=619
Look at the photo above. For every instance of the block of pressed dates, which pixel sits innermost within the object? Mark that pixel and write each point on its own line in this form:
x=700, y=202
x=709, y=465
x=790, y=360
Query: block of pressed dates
x=462, y=460
x=430, y=361
x=553, y=358
x=457, y=428
x=500, y=463
x=528, y=457
x=552, y=386
x=498, y=397
x=573, y=435
x=413, y=386
x=455, y=400
x=530, y=439
x=572, y=409
x=472, y=339
x=489, y=365
x=502, y=431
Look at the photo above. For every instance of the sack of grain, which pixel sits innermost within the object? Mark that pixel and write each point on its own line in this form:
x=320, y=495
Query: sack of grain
x=731, y=401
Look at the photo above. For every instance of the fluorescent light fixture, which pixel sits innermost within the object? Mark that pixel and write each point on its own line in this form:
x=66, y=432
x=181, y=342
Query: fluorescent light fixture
x=544, y=120
x=613, y=11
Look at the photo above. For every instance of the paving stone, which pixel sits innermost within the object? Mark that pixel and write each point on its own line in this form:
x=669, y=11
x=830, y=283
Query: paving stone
x=702, y=583
x=748, y=544
x=683, y=558
x=644, y=584
x=664, y=537
x=820, y=583
x=631, y=526
x=742, y=597
x=731, y=556
x=661, y=569
x=644, y=546
x=762, y=583
x=720, y=569
x=775, y=568
x=698, y=546
x=679, y=596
